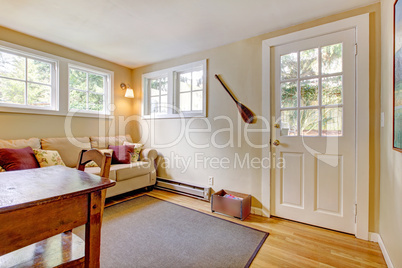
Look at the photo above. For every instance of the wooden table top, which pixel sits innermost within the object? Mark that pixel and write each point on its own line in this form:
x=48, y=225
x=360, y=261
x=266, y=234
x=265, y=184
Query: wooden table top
x=30, y=187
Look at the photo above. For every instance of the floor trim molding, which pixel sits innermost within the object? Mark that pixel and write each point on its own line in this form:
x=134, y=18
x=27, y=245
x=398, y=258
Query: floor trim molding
x=256, y=211
x=375, y=237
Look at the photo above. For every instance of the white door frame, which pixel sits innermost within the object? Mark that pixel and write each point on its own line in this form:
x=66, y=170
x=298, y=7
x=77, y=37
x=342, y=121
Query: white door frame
x=361, y=24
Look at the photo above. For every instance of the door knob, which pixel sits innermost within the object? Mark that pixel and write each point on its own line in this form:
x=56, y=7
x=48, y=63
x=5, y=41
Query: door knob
x=276, y=143
x=277, y=126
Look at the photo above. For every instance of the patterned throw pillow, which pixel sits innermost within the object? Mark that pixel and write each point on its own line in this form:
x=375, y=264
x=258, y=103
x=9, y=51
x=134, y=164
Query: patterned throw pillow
x=103, y=151
x=47, y=158
x=135, y=156
x=2, y=169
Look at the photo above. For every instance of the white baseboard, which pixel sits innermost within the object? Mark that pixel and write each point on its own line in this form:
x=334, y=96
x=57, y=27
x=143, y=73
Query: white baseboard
x=374, y=237
x=256, y=211
x=259, y=212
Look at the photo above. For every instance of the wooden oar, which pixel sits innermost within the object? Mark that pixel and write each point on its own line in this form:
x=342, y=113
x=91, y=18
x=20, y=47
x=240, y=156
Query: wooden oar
x=246, y=113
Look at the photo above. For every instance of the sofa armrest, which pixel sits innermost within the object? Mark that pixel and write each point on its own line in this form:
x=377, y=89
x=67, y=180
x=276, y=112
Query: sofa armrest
x=148, y=154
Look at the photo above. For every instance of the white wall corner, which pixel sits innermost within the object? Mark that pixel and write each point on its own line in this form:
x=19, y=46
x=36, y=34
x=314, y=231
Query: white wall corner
x=374, y=237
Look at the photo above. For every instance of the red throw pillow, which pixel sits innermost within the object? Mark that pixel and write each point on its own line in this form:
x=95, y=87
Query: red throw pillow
x=17, y=159
x=121, y=154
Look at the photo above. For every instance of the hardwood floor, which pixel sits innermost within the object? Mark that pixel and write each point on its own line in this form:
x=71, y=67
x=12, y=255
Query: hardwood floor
x=289, y=244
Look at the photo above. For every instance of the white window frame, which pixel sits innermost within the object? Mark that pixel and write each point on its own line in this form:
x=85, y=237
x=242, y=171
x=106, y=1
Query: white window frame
x=62, y=93
x=173, y=94
x=107, y=100
x=40, y=56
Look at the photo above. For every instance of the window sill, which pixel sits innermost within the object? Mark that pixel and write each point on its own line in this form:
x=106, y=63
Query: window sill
x=173, y=116
x=36, y=111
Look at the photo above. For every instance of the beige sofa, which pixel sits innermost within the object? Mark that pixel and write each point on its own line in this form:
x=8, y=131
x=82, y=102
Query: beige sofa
x=128, y=177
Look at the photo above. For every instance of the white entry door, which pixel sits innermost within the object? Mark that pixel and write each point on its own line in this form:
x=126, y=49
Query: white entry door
x=314, y=174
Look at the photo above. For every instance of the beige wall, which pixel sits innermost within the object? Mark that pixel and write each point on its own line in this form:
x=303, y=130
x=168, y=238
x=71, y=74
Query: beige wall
x=16, y=126
x=240, y=65
x=391, y=161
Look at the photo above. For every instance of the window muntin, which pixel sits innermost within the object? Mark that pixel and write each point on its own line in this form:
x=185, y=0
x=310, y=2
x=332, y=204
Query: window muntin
x=158, y=89
x=175, y=91
x=311, y=92
x=89, y=90
x=27, y=80
x=190, y=90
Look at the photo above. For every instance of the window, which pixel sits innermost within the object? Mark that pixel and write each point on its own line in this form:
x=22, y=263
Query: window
x=89, y=90
x=311, y=92
x=174, y=92
x=27, y=80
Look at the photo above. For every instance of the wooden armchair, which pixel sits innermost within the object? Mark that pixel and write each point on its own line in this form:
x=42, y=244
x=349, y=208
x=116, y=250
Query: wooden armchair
x=102, y=160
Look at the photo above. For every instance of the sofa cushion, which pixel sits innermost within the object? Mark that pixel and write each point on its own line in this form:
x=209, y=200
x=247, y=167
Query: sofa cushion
x=17, y=159
x=47, y=158
x=104, y=142
x=34, y=143
x=68, y=151
x=121, y=154
x=123, y=172
x=135, y=156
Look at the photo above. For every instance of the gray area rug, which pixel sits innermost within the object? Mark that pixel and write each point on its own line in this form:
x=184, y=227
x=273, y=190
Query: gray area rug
x=149, y=232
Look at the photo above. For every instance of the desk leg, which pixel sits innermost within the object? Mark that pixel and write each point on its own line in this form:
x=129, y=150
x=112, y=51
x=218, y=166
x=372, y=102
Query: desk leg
x=93, y=229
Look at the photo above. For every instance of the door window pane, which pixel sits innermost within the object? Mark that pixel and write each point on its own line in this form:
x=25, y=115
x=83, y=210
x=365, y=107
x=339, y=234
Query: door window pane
x=332, y=121
x=289, y=66
x=39, y=95
x=309, y=92
x=289, y=123
x=331, y=59
x=309, y=122
x=309, y=62
x=289, y=95
x=332, y=90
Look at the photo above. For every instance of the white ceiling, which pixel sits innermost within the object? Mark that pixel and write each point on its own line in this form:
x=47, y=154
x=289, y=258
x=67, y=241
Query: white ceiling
x=140, y=32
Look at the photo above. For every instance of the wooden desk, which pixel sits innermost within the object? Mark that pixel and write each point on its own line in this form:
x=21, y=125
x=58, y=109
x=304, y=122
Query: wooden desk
x=38, y=205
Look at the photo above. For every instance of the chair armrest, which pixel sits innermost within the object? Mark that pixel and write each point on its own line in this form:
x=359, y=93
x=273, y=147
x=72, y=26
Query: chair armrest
x=148, y=154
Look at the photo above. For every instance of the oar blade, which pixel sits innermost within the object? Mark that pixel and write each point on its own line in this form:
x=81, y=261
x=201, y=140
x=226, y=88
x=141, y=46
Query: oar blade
x=246, y=114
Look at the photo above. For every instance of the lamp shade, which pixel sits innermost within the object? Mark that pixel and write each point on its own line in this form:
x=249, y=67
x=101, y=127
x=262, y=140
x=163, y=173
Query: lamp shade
x=129, y=93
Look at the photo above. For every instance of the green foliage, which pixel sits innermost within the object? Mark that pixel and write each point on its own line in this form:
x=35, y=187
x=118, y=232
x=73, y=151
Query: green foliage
x=37, y=82
x=331, y=63
x=331, y=59
x=86, y=90
x=309, y=92
x=289, y=95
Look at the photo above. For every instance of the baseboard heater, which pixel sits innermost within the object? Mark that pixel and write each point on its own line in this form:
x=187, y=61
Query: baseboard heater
x=185, y=188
